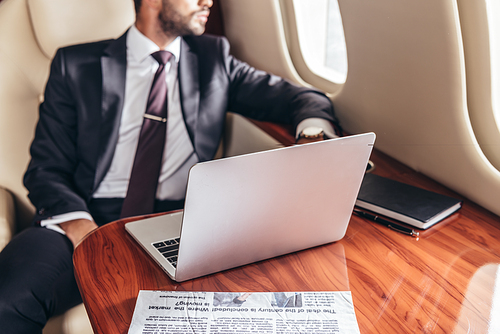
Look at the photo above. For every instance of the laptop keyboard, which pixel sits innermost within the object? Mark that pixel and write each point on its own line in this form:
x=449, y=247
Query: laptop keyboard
x=169, y=249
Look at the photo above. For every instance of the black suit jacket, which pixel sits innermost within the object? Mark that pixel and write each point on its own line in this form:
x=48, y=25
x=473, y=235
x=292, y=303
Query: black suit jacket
x=77, y=130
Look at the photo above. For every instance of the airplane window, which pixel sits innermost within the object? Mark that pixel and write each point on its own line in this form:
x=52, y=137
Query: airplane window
x=493, y=12
x=321, y=38
x=481, y=41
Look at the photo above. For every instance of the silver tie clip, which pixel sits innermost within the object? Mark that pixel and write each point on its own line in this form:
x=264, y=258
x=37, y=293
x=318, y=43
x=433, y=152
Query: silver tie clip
x=155, y=118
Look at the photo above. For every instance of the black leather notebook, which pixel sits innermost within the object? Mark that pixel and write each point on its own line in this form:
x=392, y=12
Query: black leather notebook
x=405, y=203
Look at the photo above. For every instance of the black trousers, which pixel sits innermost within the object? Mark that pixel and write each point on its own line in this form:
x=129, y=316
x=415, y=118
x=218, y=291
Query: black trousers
x=36, y=271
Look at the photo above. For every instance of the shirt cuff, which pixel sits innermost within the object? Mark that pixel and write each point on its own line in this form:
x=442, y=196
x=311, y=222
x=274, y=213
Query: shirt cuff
x=327, y=127
x=52, y=223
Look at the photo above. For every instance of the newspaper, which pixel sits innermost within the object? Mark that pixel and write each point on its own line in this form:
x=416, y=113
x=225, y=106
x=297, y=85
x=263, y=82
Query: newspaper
x=234, y=312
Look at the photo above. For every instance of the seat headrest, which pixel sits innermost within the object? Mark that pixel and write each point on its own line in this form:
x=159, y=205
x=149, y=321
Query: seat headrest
x=58, y=23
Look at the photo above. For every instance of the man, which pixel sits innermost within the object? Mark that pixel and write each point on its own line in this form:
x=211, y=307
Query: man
x=91, y=127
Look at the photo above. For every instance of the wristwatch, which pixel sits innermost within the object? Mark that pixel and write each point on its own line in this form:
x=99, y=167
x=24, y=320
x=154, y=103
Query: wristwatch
x=311, y=133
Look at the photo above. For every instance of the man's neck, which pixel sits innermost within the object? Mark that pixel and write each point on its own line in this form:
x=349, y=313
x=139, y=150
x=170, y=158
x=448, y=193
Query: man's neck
x=155, y=34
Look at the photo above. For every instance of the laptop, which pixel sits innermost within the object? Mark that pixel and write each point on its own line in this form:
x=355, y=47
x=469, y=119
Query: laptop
x=252, y=207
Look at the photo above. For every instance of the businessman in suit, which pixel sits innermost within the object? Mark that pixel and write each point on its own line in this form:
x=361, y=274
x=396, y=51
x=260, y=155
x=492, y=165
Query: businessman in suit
x=90, y=130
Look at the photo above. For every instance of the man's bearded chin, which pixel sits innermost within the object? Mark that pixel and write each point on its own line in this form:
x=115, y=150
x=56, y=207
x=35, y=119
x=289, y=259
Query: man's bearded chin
x=173, y=23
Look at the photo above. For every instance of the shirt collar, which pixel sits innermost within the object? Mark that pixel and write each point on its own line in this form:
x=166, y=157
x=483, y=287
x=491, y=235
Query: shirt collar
x=140, y=47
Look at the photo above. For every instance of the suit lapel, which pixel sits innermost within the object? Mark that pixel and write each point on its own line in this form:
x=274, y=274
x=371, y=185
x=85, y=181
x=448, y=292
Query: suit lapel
x=189, y=85
x=114, y=66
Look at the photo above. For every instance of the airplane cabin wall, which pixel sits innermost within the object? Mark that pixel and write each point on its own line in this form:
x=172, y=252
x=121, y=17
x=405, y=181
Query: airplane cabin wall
x=406, y=82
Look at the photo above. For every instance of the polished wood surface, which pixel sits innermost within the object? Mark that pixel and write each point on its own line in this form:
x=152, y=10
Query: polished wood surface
x=441, y=282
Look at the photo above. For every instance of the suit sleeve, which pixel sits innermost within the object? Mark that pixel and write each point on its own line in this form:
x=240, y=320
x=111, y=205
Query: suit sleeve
x=49, y=177
x=263, y=96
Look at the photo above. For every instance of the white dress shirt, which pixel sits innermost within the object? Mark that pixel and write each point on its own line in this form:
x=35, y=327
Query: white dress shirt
x=179, y=154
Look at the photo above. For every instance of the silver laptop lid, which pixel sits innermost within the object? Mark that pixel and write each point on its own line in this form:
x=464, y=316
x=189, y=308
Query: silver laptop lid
x=257, y=206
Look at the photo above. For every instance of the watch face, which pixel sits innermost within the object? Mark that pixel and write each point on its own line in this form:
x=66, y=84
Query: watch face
x=312, y=131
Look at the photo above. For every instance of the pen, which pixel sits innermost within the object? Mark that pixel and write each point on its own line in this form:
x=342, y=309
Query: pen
x=389, y=224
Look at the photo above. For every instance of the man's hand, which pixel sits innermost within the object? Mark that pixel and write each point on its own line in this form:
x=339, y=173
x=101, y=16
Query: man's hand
x=77, y=229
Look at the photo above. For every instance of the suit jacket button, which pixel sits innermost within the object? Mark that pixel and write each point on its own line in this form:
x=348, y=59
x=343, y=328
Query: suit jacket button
x=41, y=211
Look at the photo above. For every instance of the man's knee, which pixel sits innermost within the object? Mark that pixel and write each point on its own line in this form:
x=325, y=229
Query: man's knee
x=20, y=311
x=36, y=279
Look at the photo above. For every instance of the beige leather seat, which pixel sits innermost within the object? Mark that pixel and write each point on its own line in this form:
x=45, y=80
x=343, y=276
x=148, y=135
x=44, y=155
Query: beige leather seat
x=30, y=33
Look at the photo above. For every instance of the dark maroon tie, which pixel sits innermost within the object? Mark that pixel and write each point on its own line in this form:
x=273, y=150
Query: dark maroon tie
x=141, y=193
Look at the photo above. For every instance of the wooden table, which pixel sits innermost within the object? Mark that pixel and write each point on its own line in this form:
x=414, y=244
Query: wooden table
x=442, y=282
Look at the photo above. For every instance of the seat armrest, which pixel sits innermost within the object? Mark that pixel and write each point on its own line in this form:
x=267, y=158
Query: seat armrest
x=7, y=217
x=282, y=133
x=243, y=135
